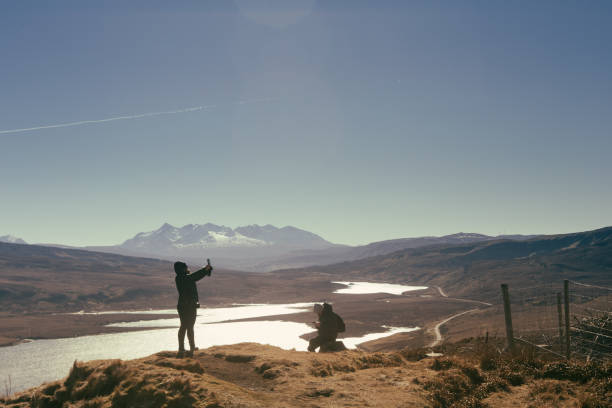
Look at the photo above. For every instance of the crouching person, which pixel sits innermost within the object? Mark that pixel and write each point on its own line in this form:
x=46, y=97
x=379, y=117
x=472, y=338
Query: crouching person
x=328, y=326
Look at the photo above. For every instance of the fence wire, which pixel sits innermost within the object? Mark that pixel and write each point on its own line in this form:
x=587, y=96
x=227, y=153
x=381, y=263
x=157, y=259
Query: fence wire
x=535, y=315
x=590, y=321
x=538, y=318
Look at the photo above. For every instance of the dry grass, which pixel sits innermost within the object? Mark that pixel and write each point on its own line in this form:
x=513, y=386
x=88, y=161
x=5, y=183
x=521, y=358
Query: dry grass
x=469, y=375
x=469, y=379
x=246, y=375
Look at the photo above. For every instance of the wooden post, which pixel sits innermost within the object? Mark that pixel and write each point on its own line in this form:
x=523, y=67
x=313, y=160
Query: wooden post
x=560, y=316
x=508, y=316
x=567, y=318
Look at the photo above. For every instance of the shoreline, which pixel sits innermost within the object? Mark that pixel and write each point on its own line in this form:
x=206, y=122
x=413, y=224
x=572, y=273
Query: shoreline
x=362, y=314
x=47, y=326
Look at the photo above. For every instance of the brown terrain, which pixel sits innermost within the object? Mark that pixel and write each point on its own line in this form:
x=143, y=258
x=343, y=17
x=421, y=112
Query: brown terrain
x=42, y=287
x=472, y=374
x=39, y=285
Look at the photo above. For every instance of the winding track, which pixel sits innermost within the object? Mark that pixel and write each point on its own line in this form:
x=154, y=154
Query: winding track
x=436, y=328
x=442, y=293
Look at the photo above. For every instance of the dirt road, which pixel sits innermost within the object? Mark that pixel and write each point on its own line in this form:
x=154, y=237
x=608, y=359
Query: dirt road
x=436, y=328
x=442, y=293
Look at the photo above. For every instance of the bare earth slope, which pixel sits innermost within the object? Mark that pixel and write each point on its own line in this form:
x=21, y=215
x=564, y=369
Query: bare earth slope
x=254, y=375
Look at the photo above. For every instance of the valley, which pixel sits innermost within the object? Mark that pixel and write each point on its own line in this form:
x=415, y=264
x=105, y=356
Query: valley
x=40, y=284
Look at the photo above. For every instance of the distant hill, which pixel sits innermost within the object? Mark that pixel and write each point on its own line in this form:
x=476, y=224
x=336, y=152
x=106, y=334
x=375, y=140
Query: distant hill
x=35, y=279
x=477, y=268
x=329, y=256
x=12, y=239
x=48, y=278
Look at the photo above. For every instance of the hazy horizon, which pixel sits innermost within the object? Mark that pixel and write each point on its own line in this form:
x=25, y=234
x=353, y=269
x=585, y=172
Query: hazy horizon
x=121, y=240
x=357, y=121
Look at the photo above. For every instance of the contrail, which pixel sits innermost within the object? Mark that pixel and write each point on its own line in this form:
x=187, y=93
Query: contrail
x=86, y=122
x=141, y=115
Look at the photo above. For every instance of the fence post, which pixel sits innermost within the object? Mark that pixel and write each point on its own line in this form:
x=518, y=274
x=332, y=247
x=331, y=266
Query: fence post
x=560, y=316
x=567, y=318
x=508, y=316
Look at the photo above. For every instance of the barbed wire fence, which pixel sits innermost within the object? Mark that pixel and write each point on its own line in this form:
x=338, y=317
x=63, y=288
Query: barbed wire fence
x=590, y=321
x=534, y=316
x=566, y=318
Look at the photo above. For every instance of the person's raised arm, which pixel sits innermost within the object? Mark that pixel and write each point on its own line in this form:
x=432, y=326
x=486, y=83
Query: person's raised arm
x=197, y=275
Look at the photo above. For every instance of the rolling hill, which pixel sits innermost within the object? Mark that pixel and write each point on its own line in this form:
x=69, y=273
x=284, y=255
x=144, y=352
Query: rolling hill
x=37, y=277
x=476, y=269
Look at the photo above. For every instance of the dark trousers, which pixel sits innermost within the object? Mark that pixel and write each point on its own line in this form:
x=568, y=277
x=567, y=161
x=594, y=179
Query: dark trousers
x=319, y=341
x=187, y=316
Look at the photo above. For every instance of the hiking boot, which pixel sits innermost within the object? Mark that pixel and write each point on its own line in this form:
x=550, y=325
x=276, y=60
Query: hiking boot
x=180, y=354
x=190, y=352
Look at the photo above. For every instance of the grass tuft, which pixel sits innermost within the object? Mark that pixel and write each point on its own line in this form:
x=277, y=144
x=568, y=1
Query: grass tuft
x=441, y=364
x=78, y=372
x=239, y=358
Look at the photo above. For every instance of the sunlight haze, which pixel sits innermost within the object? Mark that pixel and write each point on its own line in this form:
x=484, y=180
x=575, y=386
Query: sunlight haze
x=358, y=121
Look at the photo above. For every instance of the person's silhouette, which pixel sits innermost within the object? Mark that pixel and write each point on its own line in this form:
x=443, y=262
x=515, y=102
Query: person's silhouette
x=188, y=303
x=328, y=326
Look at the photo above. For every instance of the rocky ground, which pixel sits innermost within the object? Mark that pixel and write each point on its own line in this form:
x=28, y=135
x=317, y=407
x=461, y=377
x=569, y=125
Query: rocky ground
x=471, y=374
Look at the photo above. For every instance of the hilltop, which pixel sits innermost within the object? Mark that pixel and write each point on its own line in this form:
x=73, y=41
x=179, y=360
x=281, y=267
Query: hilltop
x=254, y=375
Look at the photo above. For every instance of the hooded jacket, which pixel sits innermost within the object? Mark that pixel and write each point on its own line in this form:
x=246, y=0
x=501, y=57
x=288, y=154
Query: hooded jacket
x=328, y=327
x=188, y=292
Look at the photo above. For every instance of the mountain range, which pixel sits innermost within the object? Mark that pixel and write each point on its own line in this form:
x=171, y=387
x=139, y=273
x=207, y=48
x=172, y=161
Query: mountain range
x=42, y=277
x=206, y=236
x=264, y=248
x=240, y=248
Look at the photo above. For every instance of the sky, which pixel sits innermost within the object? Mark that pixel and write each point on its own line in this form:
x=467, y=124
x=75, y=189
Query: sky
x=359, y=121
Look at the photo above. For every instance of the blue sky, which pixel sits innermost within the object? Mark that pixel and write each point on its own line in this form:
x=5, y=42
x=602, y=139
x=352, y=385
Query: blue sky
x=365, y=120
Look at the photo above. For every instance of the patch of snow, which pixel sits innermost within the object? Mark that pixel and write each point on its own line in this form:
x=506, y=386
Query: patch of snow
x=11, y=239
x=572, y=246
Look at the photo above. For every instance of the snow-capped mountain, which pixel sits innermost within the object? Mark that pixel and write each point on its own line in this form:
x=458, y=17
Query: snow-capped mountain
x=264, y=248
x=12, y=239
x=288, y=236
x=210, y=236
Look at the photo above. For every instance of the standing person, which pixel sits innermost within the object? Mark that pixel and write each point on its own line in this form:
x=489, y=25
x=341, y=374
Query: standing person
x=188, y=303
x=328, y=326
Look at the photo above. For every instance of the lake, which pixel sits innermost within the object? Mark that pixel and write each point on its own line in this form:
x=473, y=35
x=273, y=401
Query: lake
x=30, y=364
x=361, y=288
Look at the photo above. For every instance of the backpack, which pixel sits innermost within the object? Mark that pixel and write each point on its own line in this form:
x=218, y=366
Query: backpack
x=339, y=323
